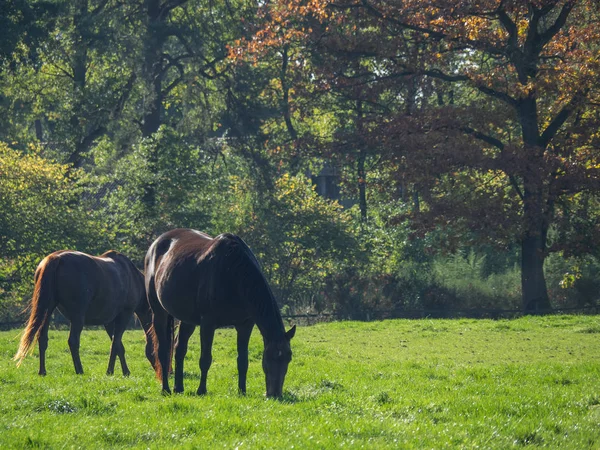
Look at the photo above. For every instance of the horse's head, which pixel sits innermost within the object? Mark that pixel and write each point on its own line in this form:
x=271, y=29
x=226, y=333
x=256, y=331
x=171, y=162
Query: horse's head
x=276, y=358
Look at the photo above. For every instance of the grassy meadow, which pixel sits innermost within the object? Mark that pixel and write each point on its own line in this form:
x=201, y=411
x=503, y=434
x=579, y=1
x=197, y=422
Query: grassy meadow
x=530, y=382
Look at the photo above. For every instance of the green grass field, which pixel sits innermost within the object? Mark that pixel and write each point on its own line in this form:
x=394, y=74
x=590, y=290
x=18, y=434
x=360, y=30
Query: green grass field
x=531, y=382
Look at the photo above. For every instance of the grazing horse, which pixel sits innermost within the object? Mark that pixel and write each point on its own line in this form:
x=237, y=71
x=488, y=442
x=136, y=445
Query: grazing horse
x=87, y=290
x=213, y=283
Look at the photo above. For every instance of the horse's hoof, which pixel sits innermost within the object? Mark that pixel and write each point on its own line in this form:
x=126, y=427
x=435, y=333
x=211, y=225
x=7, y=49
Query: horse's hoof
x=166, y=392
x=201, y=392
x=42, y=373
x=126, y=374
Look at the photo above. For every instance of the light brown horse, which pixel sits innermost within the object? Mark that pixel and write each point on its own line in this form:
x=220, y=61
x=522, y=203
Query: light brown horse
x=87, y=290
x=213, y=283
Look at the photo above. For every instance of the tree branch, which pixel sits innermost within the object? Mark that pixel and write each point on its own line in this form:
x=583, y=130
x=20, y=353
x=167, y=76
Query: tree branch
x=547, y=35
x=172, y=86
x=285, y=100
x=560, y=119
x=120, y=104
x=509, y=26
x=98, y=9
x=499, y=95
x=515, y=185
x=171, y=5
x=435, y=73
x=484, y=137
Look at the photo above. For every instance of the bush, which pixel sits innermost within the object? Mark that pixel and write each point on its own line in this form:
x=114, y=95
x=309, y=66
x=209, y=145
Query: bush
x=573, y=282
x=462, y=277
x=300, y=238
x=38, y=200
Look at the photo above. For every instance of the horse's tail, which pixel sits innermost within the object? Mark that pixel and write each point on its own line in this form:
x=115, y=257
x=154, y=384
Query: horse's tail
x=151, y=334
x=170, y=332
x=41, y=305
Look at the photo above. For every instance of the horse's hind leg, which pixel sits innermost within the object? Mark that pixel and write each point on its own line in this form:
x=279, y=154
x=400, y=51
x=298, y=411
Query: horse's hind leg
x=181, y=346
x=207, y=334
x=163, y=324
x=43, y=343
x=110, y=330
x=74, y=340
x=243, y=337
x=115, y=330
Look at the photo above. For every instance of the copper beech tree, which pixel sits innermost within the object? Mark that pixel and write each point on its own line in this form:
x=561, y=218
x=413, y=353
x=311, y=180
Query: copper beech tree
x=496, y=116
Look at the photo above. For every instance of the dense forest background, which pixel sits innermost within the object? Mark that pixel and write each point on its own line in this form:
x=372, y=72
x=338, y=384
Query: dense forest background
x=376, y=155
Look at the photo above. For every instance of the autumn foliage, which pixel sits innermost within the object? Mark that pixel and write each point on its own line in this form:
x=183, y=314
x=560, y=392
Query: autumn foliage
x=489, y=110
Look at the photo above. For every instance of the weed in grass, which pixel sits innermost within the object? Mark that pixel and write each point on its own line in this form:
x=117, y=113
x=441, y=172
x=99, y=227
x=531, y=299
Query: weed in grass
x=591, y=330
x=61, y=407
x=383, y=398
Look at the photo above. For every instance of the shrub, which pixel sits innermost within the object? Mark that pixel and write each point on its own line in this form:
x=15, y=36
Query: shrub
x=38, y=200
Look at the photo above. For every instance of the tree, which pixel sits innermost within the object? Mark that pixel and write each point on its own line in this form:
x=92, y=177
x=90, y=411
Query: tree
x=79, y=85
x=23, y=26
x=299, y=237
x=517, y=142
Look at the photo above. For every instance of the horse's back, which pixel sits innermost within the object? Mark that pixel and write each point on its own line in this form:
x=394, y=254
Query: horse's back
x=95, y=288
x=170, y=267
x=182, y=268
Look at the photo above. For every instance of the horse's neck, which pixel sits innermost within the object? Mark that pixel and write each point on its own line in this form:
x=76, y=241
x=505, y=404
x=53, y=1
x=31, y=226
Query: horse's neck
x=271, y=327
x=267, y=316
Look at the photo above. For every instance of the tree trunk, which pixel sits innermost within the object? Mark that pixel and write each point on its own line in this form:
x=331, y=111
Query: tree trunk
x=361, y=171
x=153, y=66
x=79, y=66
x=362, y=184
x=533, y=243
x=533, y=282
x=533, y=248
x=535, y=221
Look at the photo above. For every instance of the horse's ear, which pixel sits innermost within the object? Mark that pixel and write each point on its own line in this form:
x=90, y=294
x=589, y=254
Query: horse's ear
x=290, y=333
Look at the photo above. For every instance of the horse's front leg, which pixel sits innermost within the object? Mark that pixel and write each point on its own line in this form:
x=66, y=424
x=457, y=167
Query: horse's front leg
x=181, y=346
x=74, y=340
x=207, y=334
x=243, y=338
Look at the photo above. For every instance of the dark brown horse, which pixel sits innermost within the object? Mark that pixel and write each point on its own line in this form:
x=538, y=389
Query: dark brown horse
x=213, y=283
x=87, y=290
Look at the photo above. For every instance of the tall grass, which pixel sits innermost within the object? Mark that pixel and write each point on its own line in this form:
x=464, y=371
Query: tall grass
x=468, y=284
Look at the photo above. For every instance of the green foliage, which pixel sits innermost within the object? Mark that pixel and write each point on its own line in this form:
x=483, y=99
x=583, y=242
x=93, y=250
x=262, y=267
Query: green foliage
x=40, y=214
x=530, y=382
x=169, y=132
x=463, y=279
x=180, y=174
x=23, y=25
x=573, y=282
x=300, y=237
x=394, y=269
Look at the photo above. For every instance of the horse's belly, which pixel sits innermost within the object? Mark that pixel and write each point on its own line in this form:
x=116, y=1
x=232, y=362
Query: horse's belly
x=194, y=309
x=90, y=317
x=180, y=306
x=100, y=318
